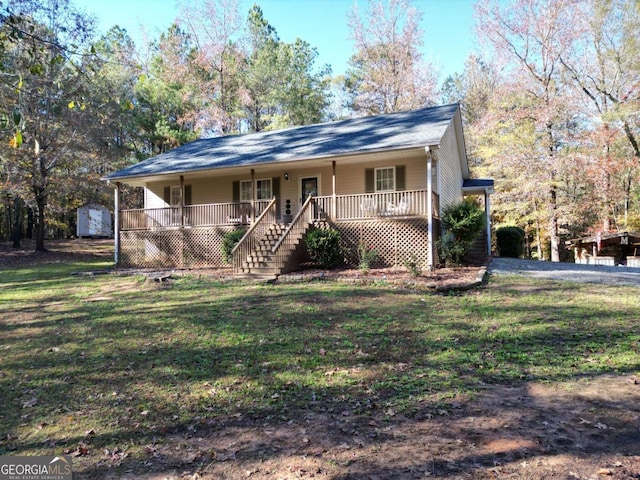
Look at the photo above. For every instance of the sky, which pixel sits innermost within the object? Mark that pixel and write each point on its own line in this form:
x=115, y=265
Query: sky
x=447, y=25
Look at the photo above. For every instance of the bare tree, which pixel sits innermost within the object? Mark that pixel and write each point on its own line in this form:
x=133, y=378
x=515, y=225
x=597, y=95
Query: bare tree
x=387, y=71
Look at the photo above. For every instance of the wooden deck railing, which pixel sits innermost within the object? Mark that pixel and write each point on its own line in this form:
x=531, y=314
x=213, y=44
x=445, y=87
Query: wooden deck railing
x=347, y=207
x=254, y=234
x=286, y=244
x=375, y=205
x=192, y=215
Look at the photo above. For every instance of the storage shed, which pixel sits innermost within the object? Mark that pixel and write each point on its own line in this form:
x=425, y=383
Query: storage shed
x=94, y=220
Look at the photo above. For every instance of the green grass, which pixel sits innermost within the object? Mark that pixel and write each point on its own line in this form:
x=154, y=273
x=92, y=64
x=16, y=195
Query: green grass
x=119, y=363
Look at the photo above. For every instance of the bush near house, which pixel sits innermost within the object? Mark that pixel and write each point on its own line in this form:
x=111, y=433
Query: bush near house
x=229, y=241
x=324, y=247
x=462, y=223
x=510, y=241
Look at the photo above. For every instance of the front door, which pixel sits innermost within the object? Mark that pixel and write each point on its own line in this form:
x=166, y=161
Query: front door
x=308, y=187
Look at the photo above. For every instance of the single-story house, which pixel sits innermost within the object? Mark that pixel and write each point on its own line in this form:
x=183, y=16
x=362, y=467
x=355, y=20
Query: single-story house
x=381, y=181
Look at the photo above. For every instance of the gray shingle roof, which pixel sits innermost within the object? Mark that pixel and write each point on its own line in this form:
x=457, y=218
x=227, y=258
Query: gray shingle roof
x=360, y=135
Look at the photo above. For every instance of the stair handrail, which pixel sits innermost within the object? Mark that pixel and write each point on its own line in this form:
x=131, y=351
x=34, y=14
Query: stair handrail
x=293, y=223
x=253, y=226
x=243, y=248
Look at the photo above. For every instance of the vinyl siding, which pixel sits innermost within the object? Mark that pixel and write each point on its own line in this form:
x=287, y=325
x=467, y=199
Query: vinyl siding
x=350, y=179
x=449, y=172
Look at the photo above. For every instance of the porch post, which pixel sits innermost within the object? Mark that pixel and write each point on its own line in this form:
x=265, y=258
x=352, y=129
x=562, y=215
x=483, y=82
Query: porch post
x=116, y=223
x=333, y=187
x=253, y=196
x=430, y=261
x=487, y=213
x=181, y=204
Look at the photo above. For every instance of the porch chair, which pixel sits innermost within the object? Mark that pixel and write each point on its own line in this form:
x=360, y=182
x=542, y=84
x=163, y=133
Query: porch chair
x=368, y=206
x=401, y=209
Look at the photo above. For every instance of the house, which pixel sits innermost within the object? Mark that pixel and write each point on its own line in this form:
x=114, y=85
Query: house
x=381, y=180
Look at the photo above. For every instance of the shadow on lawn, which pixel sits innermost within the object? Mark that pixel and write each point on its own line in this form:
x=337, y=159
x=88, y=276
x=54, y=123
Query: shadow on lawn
x=356, y=382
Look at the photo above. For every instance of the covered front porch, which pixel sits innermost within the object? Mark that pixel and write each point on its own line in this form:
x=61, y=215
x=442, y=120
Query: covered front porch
x=335, y=208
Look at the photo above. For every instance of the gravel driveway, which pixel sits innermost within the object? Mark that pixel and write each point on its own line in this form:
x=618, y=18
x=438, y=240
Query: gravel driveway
x=565, y=271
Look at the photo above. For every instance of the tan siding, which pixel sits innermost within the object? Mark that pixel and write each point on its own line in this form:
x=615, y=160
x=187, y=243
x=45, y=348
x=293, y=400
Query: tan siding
x=450, y=174
x=349, y=180
x=350, y=177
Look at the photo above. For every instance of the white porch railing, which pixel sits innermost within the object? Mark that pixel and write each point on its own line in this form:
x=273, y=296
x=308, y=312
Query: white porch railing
x=376, y=205
x=347, y=207
x=192, y=215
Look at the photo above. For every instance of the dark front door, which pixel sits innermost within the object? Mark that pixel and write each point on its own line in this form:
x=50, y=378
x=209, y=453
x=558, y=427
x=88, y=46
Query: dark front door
x=309, y=187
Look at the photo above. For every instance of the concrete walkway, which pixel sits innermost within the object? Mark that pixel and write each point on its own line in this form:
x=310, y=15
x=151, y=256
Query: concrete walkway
x=565, y=271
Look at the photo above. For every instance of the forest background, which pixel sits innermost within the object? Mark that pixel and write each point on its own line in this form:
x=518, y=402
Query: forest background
x=551, y=108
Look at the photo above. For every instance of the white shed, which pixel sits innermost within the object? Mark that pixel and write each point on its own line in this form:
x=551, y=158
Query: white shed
x=94, y=220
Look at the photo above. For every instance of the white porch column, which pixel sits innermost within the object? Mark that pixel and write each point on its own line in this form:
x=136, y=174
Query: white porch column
x=430, y=243
x=487, y=213
x=253, y=196
x=333, y=190
x=181, y=205
x=116, y=223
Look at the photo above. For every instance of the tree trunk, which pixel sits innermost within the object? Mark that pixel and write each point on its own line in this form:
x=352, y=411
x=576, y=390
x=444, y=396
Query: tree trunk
x=17, y=225
x=41, y=202
x=553, y=226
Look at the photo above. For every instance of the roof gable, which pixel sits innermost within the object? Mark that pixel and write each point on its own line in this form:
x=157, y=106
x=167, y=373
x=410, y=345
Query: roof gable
x=354, y=136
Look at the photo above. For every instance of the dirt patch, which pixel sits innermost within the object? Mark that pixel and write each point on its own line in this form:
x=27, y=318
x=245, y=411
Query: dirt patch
x=582, y=429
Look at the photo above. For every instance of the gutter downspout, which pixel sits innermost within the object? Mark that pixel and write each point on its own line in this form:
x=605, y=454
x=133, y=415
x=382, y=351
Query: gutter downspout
x=430, y=257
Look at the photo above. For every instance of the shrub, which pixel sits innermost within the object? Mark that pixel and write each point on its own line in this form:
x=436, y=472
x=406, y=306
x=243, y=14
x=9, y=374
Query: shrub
x=324, y=247
x=510, y=241
x=229, y=241
x=413, y=264
x=366, y=256
x=462, y=223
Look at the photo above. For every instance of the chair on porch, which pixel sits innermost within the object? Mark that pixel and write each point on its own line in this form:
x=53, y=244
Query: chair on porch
x=402, y=208
x=368, y=207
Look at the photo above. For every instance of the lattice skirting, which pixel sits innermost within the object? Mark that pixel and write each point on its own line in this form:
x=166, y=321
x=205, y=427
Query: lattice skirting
x=189, y=248
x=395, y=241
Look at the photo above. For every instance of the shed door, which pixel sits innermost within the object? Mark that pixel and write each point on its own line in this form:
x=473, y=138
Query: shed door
x=95, y=222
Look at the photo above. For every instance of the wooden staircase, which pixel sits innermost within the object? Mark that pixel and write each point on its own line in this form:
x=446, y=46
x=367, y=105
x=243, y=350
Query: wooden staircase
x=262, y=262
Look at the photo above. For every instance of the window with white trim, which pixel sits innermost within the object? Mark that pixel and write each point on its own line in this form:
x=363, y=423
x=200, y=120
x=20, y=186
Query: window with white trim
x=385, y=179
x=175, y=196
x=263, y=189
x=245, y=191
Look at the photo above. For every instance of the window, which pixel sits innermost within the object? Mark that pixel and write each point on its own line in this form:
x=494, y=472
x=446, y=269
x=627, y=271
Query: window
x=175, y=196
x=385, y=179
x=245, y=191
x=263, y=189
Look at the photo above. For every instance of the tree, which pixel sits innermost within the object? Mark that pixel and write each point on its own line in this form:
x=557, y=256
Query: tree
x=387, y=73
x=43, y=65
x=530, y=35
x=603, y=65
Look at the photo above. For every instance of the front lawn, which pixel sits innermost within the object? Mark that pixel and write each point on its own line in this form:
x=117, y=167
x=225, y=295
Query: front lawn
x=118, y=372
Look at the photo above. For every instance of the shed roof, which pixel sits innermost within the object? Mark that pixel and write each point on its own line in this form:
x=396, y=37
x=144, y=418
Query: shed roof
x=424, y=127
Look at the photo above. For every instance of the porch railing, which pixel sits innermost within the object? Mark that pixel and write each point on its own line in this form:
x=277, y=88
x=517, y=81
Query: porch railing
x=191, y=215
x=255, y=233
x=347, y=207
x=286, y=244
x=375, y=205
